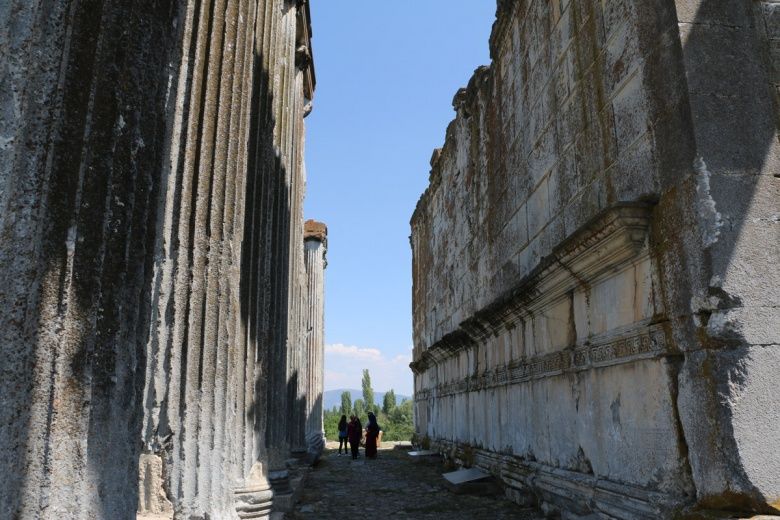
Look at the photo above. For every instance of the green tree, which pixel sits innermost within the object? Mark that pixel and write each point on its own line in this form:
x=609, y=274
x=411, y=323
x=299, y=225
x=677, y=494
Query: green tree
x=398, y=425
x=403, y=413
x=388, y=402
x=359, y=408
x=331, y=421
x=368, y=392
x=346, y=403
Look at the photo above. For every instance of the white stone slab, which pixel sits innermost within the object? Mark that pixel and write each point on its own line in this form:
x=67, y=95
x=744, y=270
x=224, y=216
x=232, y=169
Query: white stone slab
x=465, y=475
x=423, y=453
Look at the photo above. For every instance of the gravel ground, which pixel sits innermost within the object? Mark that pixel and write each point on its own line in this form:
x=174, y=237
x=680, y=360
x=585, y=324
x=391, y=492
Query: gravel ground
x=392, y=486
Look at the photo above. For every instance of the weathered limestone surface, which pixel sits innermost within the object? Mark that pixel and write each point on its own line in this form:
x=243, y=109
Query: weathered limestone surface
x=86, y=91
x=153, y=288
x=596, y=314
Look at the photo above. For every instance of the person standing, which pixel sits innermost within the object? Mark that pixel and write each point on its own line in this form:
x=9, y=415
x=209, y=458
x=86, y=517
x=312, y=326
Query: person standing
x=343, y=434
x=354, y=433
x=372, y=433
x=359, y=430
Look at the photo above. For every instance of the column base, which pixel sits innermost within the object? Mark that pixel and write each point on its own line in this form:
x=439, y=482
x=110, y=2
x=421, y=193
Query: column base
x=316, y=445
x=284, y=498
x=298, y=453
x=255, y=499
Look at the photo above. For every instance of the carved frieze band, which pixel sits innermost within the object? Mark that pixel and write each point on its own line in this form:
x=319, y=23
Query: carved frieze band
x=650, y=343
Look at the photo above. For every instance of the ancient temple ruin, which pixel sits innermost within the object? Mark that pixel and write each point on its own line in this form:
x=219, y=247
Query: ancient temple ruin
x=596, y=292
x=596, y=281
x=155, y=295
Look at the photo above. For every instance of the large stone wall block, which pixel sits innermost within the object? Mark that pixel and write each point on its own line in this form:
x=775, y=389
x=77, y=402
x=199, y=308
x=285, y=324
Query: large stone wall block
x=728, y=407
x=734, y=14
x=749, y=217
x=628, y=426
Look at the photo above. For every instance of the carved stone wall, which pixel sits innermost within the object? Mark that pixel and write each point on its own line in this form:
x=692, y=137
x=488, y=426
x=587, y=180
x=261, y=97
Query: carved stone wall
x=595, y=282
x=151, y=182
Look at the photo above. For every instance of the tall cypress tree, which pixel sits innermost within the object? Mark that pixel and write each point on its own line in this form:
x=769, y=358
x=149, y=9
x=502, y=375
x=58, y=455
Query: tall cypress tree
x=388, y=402
x=368, y=392
x=346, y=403
x=360, y=410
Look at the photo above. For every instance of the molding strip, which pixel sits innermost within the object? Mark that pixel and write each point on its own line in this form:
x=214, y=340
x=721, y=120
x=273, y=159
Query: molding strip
x=648, y=344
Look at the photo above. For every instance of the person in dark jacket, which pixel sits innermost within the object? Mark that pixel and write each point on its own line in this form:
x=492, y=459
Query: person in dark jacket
x=372, y=433
x=343, y=434
x=354, y=433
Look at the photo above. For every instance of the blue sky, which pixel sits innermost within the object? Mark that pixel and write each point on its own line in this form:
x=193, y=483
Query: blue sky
x=386, y=75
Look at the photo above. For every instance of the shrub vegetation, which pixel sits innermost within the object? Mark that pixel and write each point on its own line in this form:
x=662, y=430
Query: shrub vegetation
x=396, y=420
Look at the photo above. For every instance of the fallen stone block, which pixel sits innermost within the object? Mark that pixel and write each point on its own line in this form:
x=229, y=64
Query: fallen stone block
x=471, y=481
x=423, y=453
x=423, y=456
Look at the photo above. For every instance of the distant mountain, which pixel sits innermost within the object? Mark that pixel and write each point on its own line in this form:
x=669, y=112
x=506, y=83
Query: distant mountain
x=333, y=397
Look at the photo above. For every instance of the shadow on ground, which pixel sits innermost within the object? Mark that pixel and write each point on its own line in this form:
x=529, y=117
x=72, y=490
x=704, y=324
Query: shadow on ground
x=392, y=486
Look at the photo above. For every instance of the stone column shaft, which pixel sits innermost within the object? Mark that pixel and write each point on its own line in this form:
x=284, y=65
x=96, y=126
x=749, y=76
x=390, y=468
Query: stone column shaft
x=315, y=246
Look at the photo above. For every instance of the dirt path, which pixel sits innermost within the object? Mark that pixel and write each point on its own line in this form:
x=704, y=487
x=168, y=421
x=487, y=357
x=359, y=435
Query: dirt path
x=393, y=487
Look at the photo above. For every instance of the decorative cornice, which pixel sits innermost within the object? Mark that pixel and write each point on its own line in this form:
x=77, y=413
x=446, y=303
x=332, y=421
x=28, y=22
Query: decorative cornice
x=612, y=238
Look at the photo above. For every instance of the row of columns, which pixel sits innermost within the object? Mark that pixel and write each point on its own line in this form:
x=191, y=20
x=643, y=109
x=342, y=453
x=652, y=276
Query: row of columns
x=154, y=320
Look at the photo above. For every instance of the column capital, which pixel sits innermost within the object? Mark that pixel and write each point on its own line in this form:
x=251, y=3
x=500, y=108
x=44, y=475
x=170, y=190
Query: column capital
x=313, y=230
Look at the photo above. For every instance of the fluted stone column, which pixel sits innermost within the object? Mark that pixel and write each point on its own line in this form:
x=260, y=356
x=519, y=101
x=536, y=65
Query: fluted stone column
x=151, y=188
x=315, y=248
x=86, y=96
x=284, y=326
